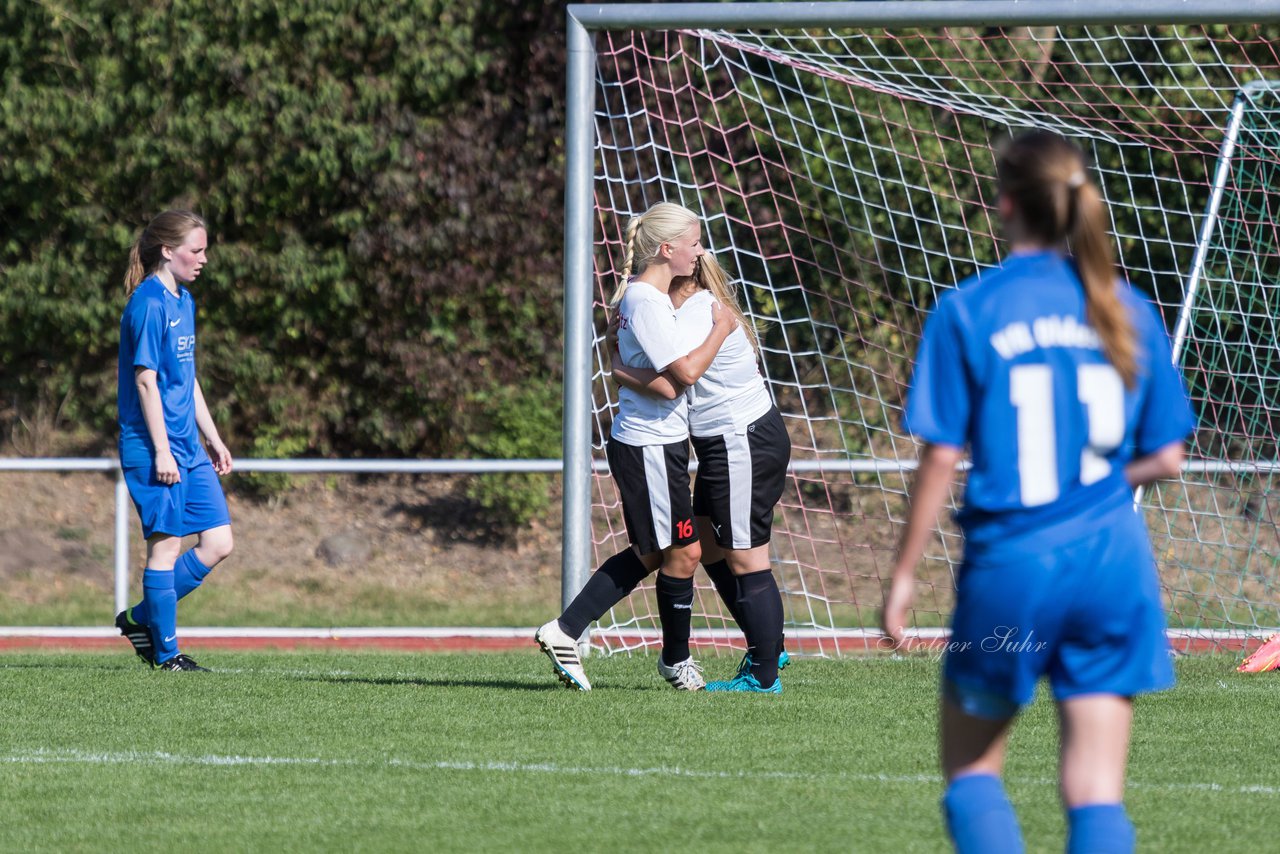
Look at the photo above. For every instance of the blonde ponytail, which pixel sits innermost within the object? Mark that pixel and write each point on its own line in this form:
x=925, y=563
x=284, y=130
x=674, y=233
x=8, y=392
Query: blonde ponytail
x=628, y=259
x=1104, y=308
x=711, y=275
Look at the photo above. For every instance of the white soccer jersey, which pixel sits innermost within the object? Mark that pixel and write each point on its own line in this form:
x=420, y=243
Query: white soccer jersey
x=647, y=338
x=731, y=394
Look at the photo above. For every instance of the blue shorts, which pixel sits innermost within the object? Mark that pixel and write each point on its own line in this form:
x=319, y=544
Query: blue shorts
x=192, y=505
x=1087, y=614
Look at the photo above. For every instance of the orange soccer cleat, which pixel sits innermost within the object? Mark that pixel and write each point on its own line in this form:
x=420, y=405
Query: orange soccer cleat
x=1264, y=658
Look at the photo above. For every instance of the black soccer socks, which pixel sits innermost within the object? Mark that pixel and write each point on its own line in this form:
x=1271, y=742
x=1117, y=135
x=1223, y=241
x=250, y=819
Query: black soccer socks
x=760, y=609
x=675, y=609
x=608, y=586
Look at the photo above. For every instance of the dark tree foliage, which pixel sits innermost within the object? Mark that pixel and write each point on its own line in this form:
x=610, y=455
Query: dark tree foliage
x=383, y=185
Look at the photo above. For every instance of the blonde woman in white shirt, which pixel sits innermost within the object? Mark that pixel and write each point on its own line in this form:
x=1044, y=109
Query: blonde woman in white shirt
x=743, y=451
x=648, y=452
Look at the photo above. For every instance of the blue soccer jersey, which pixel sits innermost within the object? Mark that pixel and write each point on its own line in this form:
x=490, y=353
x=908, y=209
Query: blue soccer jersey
x=1010, y=369
x=158, y=331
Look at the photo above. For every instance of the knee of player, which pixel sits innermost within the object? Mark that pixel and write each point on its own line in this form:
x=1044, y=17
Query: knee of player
x=683, y=562
x=163, y=551
x=219, y=546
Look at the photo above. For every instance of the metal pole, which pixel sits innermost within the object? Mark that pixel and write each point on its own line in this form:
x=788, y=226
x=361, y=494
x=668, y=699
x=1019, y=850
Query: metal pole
x=1210, y=223
x=1206, y=234
x=122, y=544
x=580, y=103
x=918, y=13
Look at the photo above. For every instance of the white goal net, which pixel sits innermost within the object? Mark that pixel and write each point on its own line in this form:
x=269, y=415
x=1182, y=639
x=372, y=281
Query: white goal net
x=845, y=178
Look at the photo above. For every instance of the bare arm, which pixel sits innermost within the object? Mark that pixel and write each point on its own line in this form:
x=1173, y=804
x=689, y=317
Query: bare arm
x=688, y=369
x=928, y=497
x=1162, y=464
x=646, y=381
x=641, y=380
x=153, y=414
x=218, y=451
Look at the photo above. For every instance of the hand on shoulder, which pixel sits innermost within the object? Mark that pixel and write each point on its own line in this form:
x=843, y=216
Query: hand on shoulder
x=722, y=318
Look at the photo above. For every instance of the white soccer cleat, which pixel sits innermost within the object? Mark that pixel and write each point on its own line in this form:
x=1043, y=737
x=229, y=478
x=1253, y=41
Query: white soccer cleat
x=563, y=652
x=683, y=675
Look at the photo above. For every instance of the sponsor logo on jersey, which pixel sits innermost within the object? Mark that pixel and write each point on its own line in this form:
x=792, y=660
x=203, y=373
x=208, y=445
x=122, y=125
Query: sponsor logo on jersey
x=186, y=346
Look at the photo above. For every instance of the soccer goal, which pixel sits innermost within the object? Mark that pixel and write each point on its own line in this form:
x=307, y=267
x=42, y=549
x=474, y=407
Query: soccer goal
x=840, y=156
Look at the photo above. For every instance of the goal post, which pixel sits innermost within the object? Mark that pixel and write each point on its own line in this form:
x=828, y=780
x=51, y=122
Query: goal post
x=839, y=155
x=1227, y=343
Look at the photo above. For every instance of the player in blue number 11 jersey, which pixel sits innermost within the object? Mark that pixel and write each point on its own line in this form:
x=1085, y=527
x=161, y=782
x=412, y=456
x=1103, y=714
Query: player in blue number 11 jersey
x=1057, y=379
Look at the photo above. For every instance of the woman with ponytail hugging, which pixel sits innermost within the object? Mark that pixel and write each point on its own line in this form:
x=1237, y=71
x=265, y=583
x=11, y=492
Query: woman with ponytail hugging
x=743, y=451
x=648, y=452
x=1057, y=379
x=172, y=478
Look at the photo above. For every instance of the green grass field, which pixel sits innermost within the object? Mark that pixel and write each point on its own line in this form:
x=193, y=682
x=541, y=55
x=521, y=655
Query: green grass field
x=281, y=752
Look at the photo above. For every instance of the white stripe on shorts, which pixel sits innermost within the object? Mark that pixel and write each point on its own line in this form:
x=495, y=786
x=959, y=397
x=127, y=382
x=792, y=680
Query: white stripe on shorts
x=655, y=476
x=738, y=449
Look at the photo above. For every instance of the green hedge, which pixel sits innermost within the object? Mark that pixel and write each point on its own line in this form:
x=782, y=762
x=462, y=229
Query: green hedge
x=382, y=181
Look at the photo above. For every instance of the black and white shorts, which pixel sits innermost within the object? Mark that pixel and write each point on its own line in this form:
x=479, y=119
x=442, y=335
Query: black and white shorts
x=740, y=479
x=654, y=483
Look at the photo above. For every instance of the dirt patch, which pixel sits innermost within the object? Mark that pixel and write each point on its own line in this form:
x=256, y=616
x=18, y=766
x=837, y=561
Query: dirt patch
x=24, y=551
x=57, y=545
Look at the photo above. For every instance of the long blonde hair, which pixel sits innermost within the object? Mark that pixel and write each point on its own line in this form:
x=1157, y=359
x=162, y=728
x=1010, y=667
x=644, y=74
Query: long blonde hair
x=661, y=223
x=167, y=229
x=710, y=276
x=1044, y=174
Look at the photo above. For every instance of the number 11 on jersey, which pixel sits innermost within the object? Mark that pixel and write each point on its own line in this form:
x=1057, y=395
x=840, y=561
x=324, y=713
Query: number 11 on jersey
x=1101, y=393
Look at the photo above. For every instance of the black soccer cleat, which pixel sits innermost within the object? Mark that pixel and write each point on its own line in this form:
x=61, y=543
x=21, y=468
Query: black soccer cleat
x=137, y=634
x=181, y=662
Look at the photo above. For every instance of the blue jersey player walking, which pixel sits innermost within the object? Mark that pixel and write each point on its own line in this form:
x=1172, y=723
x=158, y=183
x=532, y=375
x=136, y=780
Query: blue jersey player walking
x=1057, y=379
x=171, y=476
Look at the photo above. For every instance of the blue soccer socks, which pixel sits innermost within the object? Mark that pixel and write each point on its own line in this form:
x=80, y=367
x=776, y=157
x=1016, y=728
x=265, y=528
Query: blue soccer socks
x=1099, y=829
x=161, y=604
x=188, y=573
x=979, y=816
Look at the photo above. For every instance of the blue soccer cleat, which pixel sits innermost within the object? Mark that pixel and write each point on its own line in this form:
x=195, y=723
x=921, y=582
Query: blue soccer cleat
x=746, y=684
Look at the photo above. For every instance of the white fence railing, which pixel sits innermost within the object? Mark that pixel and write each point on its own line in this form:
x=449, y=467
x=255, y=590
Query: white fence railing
x=320, y=466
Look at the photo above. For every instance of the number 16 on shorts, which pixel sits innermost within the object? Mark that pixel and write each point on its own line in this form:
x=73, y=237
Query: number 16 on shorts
x=684, y=531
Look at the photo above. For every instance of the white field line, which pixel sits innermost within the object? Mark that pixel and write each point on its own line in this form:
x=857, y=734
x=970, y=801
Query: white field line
x=336, y=632
x=46, y=756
